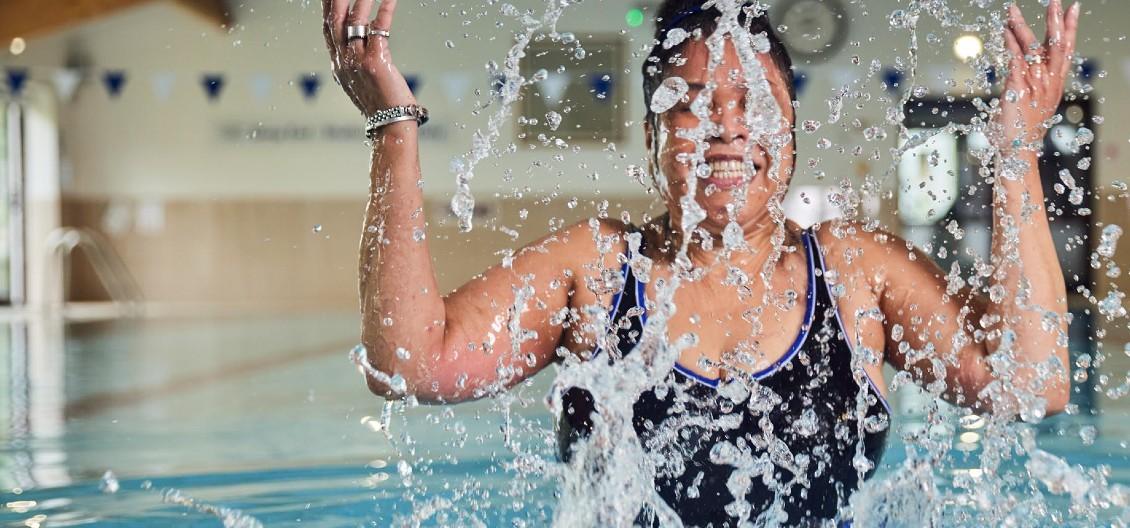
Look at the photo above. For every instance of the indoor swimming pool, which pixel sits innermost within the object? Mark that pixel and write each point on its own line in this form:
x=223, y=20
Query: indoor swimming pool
x=264, y=420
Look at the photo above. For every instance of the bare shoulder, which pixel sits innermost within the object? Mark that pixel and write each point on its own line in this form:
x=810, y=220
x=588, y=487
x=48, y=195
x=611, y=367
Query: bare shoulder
x=598, y=243
x=585, y=247
x=854, y=247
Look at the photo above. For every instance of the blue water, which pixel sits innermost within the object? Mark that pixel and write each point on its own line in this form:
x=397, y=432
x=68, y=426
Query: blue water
x=264, y=416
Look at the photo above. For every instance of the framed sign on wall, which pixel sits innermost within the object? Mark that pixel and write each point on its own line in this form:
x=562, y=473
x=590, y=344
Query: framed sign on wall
x=582, y=95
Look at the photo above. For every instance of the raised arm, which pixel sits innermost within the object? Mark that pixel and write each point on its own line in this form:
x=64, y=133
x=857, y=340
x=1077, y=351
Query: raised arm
x=494, y=331
x=1003, y=326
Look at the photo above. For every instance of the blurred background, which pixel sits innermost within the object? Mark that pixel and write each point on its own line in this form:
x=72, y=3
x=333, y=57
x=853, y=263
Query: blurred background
x=182, y=186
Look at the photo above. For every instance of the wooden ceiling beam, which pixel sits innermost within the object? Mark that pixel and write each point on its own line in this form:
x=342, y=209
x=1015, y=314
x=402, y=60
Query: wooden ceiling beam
x=32, y=18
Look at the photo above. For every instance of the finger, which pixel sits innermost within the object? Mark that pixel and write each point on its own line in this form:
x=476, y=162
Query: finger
x=382, y=21
x=335, y=20
x=330, y=25
x=359, y=16
x=1070, y=31
x=1053, y=41
x=1020, y=71
x=1024, y=33
x=1016, y=63
x=384, y=15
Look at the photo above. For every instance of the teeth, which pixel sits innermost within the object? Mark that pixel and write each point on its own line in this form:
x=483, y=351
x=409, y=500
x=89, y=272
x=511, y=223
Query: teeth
x=727, y=169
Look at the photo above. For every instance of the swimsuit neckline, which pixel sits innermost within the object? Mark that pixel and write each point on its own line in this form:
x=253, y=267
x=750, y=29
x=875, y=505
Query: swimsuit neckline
x=798, y=342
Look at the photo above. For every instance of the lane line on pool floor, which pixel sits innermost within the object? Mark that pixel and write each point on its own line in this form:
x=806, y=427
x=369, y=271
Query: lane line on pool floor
x=98, y=402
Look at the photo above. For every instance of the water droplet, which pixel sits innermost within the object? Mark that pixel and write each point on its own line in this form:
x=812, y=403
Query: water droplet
x=109, y=483
x=669, y=93
x=1087, y=434
x=553, y=119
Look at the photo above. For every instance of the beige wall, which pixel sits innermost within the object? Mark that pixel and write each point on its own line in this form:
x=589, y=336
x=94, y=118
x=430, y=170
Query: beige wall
x=266, y=254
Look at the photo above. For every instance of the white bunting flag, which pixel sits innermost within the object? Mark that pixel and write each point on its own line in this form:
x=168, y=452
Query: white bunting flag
x=163, y=85
x=66, y=81
x=553, y=87
x=261, y=84
x=456, y=84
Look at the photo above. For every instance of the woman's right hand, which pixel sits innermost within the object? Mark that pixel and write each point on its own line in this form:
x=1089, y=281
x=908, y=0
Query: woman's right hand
x=363, y=67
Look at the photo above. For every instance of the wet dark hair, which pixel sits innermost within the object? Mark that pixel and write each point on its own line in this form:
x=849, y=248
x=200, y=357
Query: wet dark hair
x=689, y=15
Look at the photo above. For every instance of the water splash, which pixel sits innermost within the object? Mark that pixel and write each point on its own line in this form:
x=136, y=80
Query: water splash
x=608, y=481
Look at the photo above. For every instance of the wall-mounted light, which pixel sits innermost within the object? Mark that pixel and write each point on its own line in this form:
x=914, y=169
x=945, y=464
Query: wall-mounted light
x=967, y=47
x=18, y=46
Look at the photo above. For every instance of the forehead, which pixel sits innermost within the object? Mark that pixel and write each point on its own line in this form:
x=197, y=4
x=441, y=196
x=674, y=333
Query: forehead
x=695, y=57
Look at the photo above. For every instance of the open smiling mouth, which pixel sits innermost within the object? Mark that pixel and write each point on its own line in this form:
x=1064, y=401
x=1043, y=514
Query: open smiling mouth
x=729, y=173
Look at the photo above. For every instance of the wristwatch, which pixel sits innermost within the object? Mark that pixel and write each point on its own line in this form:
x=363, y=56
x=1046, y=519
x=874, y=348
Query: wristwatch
x=391, y=115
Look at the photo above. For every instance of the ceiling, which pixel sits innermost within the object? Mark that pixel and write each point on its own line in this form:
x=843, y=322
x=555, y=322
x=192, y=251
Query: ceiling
x=36, y=18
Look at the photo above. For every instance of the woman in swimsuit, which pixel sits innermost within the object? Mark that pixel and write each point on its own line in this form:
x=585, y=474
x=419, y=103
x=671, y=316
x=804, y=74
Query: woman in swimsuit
x=847, y=296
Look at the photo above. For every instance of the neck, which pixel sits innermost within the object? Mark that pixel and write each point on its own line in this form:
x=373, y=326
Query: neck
x=756, y=233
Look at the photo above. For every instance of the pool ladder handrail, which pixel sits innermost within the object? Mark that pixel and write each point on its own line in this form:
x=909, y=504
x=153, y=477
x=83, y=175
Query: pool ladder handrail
x=107, y=263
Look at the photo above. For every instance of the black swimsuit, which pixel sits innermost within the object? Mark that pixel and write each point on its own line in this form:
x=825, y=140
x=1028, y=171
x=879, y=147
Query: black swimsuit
x=808, y=398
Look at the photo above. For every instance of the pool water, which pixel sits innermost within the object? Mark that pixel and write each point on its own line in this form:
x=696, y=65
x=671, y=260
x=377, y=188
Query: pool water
x=264, y=421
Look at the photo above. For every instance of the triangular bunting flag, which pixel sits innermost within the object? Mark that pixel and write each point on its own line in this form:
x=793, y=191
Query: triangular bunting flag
x=800, y=82
x=261, y=86
x=114, y=80
x=213, y=84
x=413, y=82
x=66, y=81
x=892, y=78
x=17, y=78
x=1088, y=69
x=455, y=85
x=310, y=83
x=842, y=76
x=554, y=86
x=163, y=85
x=601, y=83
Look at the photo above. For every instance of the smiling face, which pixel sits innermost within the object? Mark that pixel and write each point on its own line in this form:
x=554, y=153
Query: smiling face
x=729, y=178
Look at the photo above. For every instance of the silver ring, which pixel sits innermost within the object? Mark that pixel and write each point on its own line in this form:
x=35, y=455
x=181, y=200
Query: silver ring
x=379, y=33
x=352, y=32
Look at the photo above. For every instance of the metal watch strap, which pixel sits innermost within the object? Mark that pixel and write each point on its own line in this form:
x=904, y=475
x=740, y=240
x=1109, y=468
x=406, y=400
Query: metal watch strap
x=391, y=115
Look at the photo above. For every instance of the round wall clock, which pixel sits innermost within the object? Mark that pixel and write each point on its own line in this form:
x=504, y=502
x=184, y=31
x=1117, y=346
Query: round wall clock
x=813, y=30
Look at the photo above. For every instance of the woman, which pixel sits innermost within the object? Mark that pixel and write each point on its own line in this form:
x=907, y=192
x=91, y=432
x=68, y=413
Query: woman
x=805, y=316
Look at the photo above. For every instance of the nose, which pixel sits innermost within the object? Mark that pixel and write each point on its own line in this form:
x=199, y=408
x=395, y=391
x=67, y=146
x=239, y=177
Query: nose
x=729, y=116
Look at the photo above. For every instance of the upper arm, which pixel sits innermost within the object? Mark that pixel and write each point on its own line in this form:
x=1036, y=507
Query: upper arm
x=506, y=324
x=925, y=317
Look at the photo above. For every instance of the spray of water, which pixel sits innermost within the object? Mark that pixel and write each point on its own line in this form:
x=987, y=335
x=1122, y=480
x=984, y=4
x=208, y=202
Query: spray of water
x=609, y=479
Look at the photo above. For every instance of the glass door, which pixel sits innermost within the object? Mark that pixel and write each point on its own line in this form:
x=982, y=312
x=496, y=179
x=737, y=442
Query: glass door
x=5, y=204
x=11, y=204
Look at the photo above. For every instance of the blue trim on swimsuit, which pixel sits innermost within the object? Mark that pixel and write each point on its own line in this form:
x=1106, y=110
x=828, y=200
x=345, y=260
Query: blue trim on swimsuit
x=843, y=329
x=615, y=304
x=802, y=336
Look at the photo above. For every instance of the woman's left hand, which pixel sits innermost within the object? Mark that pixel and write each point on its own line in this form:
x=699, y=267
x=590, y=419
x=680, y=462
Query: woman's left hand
x=1037, y=73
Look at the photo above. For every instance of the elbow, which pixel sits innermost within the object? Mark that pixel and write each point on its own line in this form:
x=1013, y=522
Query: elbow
x=1058, y=398
x=402, y=379
x=1058, y=392
x=382, y=389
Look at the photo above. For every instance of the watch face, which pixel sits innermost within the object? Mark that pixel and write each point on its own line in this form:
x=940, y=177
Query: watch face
x=813, y=30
